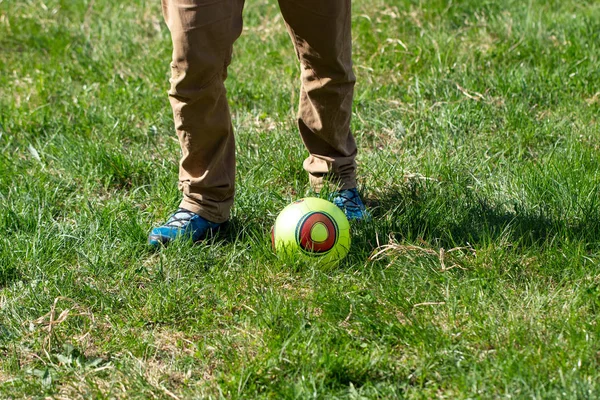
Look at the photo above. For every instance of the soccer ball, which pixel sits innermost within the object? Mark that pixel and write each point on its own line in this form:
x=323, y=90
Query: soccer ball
x=313, y=229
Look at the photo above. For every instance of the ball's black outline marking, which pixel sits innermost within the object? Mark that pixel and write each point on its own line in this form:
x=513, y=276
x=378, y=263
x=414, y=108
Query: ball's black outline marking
x=300, y=227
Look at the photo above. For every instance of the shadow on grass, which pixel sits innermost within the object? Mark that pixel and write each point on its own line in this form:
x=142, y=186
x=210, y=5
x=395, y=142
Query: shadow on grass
x=443, y=217
x=8, y=274
x=457, y=216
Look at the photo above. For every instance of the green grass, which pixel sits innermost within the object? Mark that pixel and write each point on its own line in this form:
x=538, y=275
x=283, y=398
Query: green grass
x=478, y=128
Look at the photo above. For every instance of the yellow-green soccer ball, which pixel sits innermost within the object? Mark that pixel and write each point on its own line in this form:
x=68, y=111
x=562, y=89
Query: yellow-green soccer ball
x=313, y=229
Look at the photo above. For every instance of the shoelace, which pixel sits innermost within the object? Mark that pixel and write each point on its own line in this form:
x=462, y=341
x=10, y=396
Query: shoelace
x=180, y=218
x=349, y=200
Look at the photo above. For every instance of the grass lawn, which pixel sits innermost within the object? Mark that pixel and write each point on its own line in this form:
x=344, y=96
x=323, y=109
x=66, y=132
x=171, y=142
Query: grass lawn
x=479, y=276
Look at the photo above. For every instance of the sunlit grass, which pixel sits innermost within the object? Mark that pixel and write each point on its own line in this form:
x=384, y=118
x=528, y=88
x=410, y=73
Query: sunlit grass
x=478, y=276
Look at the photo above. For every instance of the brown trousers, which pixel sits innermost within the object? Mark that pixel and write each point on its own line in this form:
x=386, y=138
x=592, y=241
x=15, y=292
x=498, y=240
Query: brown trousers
x=203, y=33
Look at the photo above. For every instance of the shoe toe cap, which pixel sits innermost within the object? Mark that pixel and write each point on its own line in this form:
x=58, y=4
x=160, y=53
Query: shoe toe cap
x=162, y=235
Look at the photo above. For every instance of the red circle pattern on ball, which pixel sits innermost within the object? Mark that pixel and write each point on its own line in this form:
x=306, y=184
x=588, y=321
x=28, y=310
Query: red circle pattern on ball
x=305, y=226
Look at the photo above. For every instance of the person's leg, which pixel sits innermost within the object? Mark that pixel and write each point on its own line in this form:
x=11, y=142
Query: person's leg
x=203, y=32
x=321, y=32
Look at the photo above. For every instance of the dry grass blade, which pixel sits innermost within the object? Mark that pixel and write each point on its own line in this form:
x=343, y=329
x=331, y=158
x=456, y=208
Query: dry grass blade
x=50, y=320
x=410, y=176
x=395, y=249
x=474, y=96
x=429, y=303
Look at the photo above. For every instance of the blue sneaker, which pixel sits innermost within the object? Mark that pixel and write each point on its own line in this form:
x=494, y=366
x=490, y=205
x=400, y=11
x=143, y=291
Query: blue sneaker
x=182, y=224
x=351, y=204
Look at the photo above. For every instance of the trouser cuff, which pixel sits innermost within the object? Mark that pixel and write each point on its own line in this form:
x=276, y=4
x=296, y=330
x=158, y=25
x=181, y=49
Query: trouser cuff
x=204, y=212
x=319, y=181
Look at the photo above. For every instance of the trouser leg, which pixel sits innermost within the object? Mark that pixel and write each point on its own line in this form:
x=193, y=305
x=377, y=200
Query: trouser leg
x=203, y=32
x=321, y=32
